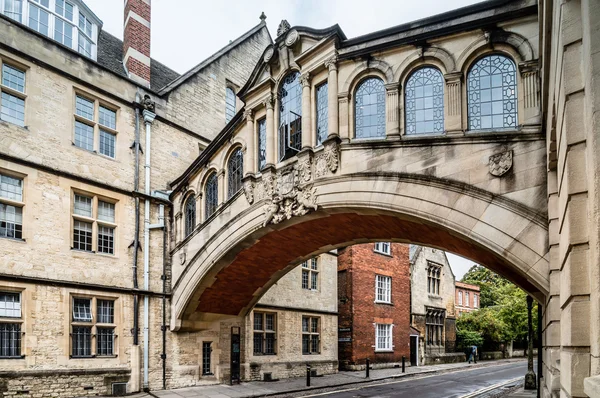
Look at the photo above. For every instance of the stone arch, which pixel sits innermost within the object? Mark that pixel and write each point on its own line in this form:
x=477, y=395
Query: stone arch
x=506, y=236
x=208, y=169
x=518, y=47
x=237, y=143
x=432, y=55
x=365, y=68
x=282, y=75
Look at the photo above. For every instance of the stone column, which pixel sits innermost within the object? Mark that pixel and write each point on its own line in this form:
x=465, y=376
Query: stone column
x=391, y=107
x=250, y=161
x=271, y=136
x=306, y=130
x=453, y=103
x=343, y=100
x=222, y=191
x=530, y=383
x=332, y=96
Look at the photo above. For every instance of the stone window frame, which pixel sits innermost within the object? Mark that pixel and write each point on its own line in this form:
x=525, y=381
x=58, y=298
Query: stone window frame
x=12, y=92
x=389, y=328
x=412, y=73
x=235, y=185
x=95, y=220
x=212, y=176
x=383, y=285
x=312, y=275
x=264, y=333
x=311, y=333
x=359, y=84
x=95, y=123
x=434, y=327
x=380, y=247
x=94, y=325
x=15, y=321
x=434, y=278
x=189, y=223
x=20, y=204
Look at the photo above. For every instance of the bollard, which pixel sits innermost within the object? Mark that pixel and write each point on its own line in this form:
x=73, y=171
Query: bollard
x=403, y=364
x=367, y=368
x=307, y=375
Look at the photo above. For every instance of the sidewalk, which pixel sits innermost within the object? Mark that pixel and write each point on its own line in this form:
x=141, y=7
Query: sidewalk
x=261, y=388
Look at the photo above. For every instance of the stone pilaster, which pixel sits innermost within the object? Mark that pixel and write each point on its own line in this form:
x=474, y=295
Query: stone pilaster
x=344, y=107
x=530, y=79
x=332, y=96
x=453, y=102
x=271, y=136
x=306, y=124
x=250, y=161
x=392, y=111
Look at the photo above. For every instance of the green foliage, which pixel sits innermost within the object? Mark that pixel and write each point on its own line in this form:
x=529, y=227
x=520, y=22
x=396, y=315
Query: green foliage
x=467, y=338
x=488, y=282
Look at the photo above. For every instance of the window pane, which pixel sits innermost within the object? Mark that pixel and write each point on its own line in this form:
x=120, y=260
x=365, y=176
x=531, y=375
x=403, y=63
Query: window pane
x=63, y=32
x=305, y=276
x=314, y=344
x=107, y=117
x=82, y=206
x=64, y=9
x=107, y=143
x=82, y=236
x=84, y=108
x=190, y=215
x=106, y=211
x=85, y=45
x=106, y=311
x=290, y=116
x=82, y=310
x=105, y=338
x=314, y=280
x=85, y=25
x=262, y=143
x=11, y=222
x=492, y=94
x=269, y=343
x=38, y=19
x=258, y=343
x=11, y=188
x=258, y=321
x=13, y=109
x=82, y=341
x=13, y=78
x=305, y=322
x=269, y=321
x=369, y=105
x=10, y=340
x=235, y=172
x=425, y=102
x=13, y=9
x=313, y=263
x=84, y=136
x=322, y=113
x=106, y=240
x=10, y=305
x=212, y=195
x=229, y=104
x=314, y=325
x=306, y=344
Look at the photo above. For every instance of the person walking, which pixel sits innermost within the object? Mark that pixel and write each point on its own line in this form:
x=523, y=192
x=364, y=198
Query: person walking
x=473, y=356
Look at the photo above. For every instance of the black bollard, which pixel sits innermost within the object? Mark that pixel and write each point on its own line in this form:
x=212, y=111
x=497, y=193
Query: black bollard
x=367, y=368
x=403, y=364
x=307, y=375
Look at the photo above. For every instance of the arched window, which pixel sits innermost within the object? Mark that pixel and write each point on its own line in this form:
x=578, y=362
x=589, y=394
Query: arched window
x=190, y=214
x=229, y=104
x=424, y=100
x=369, y=109
x=290, y=116
x=492, y=93
x=211, y=195
x=235, y=172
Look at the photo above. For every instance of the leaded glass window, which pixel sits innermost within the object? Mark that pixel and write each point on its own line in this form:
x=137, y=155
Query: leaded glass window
x=492, y=94
x=211, y=195
x=262, y=143
x=425, y=102
x=369, y=108
x=190, y=215
x=11, y=214
x=290, y=116
x=13, y=106
x=235, y=172
x=229, y=104
x=322, y=113
x=10, y=333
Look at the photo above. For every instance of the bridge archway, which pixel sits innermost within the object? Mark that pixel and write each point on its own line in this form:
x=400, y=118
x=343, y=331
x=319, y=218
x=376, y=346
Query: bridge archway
x=230, y=262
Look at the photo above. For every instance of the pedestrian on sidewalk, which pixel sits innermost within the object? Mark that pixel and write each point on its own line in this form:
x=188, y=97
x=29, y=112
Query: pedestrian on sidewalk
x=473, y=356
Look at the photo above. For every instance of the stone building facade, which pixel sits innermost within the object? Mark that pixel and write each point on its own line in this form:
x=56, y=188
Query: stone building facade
x=295, y=324
x=466, y=297
x=432, y=304
x=374, y=295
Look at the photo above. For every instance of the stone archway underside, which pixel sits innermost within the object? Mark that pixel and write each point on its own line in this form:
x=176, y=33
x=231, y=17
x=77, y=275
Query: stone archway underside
x=239, y=285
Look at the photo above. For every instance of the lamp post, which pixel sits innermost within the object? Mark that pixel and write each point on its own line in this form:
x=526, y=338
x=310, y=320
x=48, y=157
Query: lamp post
x=530, y=383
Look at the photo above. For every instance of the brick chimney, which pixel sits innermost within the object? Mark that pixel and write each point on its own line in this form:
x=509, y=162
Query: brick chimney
x=136, y=41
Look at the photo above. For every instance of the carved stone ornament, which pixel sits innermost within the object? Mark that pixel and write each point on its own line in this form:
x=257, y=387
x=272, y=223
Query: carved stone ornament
x=290, y=199
x=284, y=26
x=148, y=104
x=500, y=163
x=182, y=257
x=304, y=169
x=269, y=54
x=292, y=38
x=249, y=191
x=327, y=161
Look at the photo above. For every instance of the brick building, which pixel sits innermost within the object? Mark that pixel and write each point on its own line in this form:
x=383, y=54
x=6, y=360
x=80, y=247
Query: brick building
x=374, y=295
x=467, y=297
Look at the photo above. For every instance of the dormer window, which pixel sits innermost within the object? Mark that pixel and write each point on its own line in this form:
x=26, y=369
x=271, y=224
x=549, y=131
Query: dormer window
x=69, y=22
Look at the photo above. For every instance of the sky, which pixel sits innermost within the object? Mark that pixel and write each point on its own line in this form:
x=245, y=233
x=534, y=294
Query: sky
x=185, y=32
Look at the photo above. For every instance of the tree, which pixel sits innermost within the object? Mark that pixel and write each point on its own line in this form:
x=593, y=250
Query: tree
x=488, y=282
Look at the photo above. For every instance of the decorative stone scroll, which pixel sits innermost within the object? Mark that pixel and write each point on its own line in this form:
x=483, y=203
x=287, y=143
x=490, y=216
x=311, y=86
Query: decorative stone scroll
x=292, y=38
x=501, y=163
x=328, y=161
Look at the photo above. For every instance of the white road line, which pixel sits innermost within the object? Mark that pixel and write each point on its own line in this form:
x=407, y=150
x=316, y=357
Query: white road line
x=491, y=388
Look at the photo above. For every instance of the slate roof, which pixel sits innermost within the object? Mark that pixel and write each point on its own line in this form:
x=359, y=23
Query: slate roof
x=110, y=55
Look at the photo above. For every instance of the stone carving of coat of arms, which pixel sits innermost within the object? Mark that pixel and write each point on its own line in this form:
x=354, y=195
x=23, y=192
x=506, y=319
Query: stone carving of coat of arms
x=289, y=199
x=501, y=163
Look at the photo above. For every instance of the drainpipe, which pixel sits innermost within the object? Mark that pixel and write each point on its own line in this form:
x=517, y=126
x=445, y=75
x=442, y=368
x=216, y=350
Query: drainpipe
x=136, y=241
x=148, y=119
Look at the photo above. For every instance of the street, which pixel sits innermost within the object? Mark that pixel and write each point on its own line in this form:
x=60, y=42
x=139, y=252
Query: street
x=448, y=385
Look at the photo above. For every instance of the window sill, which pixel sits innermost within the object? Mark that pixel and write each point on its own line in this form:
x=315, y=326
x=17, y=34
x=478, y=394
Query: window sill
x=13, y=239
x=368, y=139
x=383, y=253
x=384, y=302
x=12, y=358
x=311, y=353
x=383, y=351
x=264, y=355
x=23, y=126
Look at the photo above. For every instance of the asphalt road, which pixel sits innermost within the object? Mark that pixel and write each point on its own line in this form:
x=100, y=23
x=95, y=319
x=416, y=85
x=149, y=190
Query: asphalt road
x=448, y=385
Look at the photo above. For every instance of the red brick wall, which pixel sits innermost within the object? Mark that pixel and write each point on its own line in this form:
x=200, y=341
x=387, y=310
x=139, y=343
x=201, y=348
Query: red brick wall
x=137, y=36
x=358, y=265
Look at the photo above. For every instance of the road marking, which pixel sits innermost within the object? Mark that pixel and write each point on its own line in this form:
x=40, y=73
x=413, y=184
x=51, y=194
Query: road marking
x=375, y=384
x=491, y=388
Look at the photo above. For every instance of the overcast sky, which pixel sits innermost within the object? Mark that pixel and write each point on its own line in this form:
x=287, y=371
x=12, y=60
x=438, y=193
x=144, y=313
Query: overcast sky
x=185, y=32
